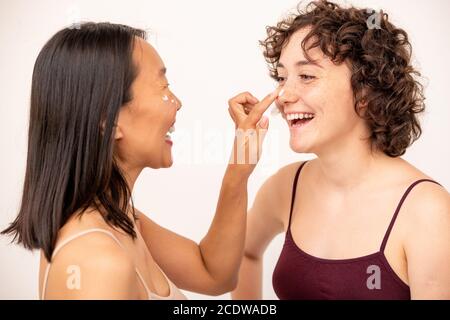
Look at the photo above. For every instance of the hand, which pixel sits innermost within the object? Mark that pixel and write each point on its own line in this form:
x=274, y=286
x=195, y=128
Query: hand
x=251, y=128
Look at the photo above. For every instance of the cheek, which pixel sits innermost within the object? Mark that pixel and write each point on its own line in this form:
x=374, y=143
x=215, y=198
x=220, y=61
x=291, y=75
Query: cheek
x=148, y=119
x=317, y=97
x=154, y=113
x=141, y=126
x=335, y=99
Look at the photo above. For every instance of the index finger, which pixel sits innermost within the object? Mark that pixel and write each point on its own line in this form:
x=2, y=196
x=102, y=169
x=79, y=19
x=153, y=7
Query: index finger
x=257, y=112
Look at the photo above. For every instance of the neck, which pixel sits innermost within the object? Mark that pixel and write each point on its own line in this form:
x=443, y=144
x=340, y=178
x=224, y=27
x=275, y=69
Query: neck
x=130, y=173
x=348, y=165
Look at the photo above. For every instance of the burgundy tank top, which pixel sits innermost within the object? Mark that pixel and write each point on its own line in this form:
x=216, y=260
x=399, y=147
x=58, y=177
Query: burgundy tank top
x=299, y=275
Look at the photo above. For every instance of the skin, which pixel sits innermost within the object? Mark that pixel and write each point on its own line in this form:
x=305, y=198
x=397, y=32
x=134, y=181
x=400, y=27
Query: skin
x=210, y=267
x=349, y=193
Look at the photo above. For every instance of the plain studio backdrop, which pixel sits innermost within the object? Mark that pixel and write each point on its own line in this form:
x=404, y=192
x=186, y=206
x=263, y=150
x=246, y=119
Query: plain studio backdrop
x=211, y=51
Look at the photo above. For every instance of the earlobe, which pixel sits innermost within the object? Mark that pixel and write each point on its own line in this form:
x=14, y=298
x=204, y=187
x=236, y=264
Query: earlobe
x=362, y=103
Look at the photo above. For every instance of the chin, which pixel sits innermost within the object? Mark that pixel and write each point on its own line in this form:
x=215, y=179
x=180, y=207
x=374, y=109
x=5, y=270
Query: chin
x=167, y=164
x=299, y=147
x=161, y=164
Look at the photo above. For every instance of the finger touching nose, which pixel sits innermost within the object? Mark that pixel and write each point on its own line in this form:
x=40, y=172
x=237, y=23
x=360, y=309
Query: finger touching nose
x=287, y=95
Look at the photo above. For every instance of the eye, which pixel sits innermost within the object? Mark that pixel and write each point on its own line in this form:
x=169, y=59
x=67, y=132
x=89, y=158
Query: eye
x=279, y=79
x=306, y=77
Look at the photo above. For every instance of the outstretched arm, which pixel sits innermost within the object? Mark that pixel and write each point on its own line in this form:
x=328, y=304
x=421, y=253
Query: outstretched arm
x=212, y=266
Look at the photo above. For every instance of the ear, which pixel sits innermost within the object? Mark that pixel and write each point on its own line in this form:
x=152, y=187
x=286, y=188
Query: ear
x=362, y=103
x=118, y=133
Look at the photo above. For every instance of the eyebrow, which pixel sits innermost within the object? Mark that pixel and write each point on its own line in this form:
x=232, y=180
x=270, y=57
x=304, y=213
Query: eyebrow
x=302, y=63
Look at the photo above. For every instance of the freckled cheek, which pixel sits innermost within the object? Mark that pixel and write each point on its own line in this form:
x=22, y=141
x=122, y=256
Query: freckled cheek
x=316, y=99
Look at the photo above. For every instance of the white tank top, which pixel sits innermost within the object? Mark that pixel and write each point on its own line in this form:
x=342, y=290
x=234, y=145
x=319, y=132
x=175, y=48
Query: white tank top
x=174, y=294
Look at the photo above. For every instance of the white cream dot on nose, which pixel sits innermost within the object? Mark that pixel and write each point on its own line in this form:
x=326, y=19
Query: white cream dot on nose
x=165, y=98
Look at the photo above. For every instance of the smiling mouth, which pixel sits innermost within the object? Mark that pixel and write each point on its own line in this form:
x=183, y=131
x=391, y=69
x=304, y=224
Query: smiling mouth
x=298, y=120
x=171, y=130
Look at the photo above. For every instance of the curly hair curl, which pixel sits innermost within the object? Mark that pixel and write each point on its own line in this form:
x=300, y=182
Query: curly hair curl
x=383, y=79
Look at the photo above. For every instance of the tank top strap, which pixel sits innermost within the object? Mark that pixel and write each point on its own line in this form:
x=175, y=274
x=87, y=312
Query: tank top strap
x=82, y=233
x=397, y=210
x=294, y=189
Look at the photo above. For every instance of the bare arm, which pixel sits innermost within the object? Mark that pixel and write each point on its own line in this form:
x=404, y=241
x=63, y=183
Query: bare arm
x=212, y=266
x=265, y=221
x=427, y=244
x=207, y=267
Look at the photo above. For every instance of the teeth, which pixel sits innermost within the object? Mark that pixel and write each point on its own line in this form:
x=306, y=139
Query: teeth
x=292, y=116
x=171, y=130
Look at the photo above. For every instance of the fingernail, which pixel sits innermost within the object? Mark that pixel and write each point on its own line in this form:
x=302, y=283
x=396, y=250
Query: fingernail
x=281, y=92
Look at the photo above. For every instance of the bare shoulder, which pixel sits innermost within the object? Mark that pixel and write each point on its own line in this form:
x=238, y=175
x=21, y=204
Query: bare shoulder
x=273, y=197
x=270, y=210
x=426, y=196
x=288, y=171
x=429, y=203
x=427, y=206
x=91, y=266
x=282, y=179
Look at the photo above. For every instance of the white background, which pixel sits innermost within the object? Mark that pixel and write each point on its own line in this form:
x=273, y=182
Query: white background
x=211, y=51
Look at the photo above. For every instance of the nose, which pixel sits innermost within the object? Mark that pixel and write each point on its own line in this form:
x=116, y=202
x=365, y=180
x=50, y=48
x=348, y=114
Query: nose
x=179, y=104
x=289, y=95
x=177, y=101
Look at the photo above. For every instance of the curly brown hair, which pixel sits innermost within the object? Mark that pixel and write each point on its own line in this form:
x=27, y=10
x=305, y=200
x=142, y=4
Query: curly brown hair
x=383, y=79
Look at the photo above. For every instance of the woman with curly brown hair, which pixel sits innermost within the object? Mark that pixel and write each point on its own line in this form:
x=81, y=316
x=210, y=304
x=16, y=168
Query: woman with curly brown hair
x=360, y=222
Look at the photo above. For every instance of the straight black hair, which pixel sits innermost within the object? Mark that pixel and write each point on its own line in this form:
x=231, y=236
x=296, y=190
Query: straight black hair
x=81, y=79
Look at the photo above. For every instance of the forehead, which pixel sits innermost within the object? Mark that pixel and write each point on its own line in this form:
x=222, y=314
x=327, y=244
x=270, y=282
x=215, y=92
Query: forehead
x=147, y=58
x=293, y=52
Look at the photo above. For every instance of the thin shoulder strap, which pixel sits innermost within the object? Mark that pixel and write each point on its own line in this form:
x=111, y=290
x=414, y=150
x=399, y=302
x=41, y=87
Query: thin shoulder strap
x=66, y=241
x=405, y=194
x=294, y=189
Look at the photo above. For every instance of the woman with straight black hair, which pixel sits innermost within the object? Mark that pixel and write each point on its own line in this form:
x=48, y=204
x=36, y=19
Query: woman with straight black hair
x=101, y=112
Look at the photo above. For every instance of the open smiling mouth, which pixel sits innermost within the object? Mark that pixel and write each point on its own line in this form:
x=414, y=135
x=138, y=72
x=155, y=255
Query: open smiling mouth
x=168, y=138
x=297, y=120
